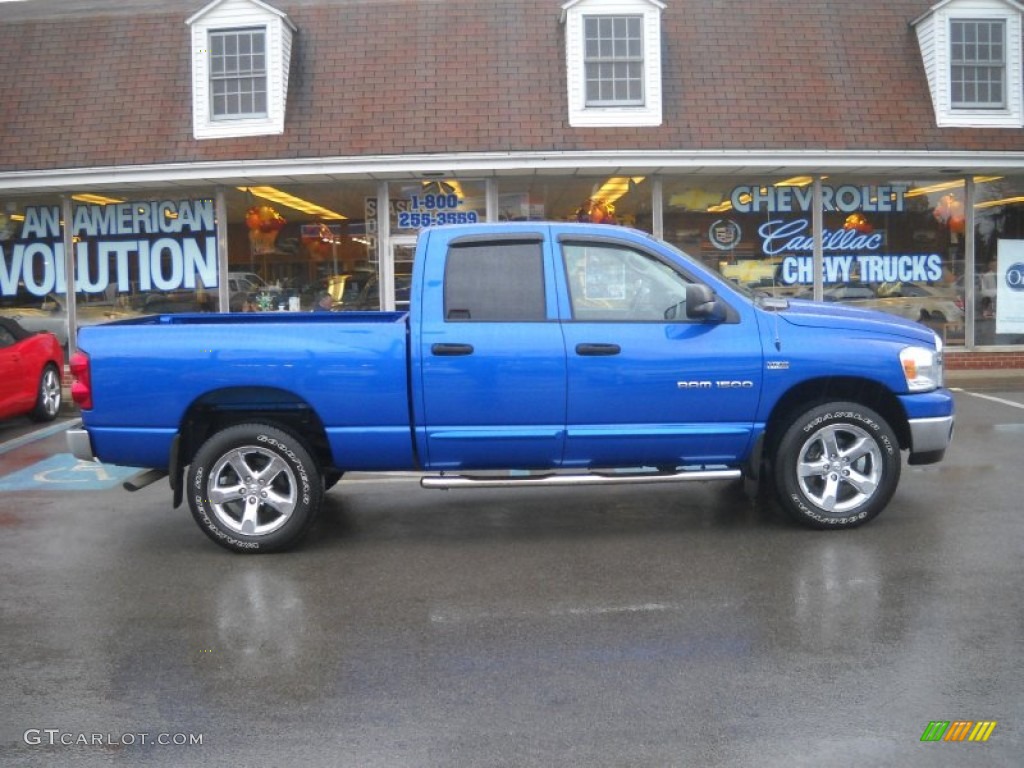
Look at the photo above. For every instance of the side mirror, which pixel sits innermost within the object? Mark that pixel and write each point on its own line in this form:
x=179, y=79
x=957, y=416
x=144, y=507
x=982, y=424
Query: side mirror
x=700, y=301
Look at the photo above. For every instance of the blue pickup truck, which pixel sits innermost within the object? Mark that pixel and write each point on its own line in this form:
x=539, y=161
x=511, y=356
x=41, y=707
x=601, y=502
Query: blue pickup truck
x=533, y=354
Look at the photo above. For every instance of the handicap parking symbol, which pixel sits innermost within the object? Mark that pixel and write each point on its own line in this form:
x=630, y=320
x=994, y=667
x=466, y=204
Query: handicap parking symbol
x=63, y=472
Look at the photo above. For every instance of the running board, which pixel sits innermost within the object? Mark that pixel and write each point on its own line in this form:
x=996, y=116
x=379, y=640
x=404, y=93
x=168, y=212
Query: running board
x=451, y=482
x=140, y=480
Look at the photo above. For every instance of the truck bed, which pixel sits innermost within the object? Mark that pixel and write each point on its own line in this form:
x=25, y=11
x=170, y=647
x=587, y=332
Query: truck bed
x=349, y=368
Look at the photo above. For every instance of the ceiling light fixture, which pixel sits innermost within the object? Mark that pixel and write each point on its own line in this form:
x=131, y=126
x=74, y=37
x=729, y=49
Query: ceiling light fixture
x=615, y=188
x=918, y=191
x=796, y=181
x=85, y=197
x=449, y=187
x=275, y=195
x=993, y=203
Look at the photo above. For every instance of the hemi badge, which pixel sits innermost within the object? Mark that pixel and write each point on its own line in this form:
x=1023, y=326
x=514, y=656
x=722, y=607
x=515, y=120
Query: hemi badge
x=778, y=365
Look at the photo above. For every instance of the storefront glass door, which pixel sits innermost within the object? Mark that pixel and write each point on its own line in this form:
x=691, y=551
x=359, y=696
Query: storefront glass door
x=403, y=250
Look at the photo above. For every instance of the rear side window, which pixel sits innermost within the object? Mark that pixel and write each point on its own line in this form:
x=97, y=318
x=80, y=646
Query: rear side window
x=494, y=282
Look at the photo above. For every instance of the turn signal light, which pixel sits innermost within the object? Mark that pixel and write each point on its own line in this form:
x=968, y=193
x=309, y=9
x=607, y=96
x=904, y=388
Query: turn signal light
x=81, y=384
x=922, y=367
x=910, y=369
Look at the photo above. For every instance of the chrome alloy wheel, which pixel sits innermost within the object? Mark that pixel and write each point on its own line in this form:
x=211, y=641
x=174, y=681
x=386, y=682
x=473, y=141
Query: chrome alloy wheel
x=839, y=468
x=252, y=490
x=49, y=392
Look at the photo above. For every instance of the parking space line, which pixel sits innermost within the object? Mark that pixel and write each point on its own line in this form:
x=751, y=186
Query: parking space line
x=31, y=437
x=999, y=400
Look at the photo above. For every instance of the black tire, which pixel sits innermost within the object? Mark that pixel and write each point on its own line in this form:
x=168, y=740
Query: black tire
x=48, y=395
x=850, y=483
x=254, y=488
x=331, y=479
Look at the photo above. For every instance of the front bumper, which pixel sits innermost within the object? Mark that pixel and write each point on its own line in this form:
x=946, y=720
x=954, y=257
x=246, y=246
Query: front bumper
x=79, y=443
x=930, y=417
x=929, y=439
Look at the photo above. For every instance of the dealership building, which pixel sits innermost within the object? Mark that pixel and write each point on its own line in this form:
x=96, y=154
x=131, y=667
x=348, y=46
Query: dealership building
x=250, y=155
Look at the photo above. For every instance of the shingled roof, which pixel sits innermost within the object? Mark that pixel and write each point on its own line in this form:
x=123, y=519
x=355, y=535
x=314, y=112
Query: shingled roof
x=91, y=83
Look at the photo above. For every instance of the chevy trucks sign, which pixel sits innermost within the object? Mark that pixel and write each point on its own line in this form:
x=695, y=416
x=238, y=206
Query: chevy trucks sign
x=852, y=252
x=145, y=246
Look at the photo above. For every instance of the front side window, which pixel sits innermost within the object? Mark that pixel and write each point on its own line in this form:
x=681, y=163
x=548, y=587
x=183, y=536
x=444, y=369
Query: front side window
x=977, y=64
x=614, y=60
x=609, y=283
x=238, y=73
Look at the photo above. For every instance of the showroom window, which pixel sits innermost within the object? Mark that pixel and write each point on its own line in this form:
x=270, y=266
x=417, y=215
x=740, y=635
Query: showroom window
x=999, y=261
x=610, y=199
x=303, y=246
x=895, y=245
x=133, y=255
x=903, y=242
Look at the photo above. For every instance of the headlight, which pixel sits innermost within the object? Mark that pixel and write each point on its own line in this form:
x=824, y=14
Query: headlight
x=922, y=367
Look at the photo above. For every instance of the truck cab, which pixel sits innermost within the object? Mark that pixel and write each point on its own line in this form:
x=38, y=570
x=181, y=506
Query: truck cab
x=577, y=349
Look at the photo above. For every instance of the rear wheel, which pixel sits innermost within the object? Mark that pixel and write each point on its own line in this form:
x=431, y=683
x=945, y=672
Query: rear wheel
x=837, y=466
x=48, y=396
x=254, y=488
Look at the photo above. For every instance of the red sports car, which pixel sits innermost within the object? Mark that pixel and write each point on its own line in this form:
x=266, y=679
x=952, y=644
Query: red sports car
x=31, y=366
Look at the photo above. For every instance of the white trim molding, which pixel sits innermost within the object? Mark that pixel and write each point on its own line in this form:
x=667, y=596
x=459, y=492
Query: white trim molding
x=486, y=164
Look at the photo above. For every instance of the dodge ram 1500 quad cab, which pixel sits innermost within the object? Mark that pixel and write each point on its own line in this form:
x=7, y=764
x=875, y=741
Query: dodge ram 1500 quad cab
x=574, y=352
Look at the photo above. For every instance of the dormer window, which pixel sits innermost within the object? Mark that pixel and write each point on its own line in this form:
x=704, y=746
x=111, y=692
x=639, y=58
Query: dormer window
x=241, y=52
x=613, y=62
x=238, y=73
x=977, y=63
x=971, y=50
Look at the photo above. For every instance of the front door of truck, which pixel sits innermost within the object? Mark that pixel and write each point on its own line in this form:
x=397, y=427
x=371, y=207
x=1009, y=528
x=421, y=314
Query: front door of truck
x=491, y=355
x=646, y=384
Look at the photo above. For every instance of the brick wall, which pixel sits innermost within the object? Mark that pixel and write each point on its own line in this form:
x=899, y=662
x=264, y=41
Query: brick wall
x=984, y=361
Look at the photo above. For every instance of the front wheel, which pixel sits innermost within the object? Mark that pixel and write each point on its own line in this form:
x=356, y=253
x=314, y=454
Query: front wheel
x=836, y=466
x=254, y=488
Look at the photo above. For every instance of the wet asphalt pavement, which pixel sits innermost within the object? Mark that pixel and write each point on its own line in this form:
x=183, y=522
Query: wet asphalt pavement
x=655, y=626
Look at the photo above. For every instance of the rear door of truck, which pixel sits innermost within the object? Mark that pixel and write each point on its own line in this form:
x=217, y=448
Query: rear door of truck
x=489, y=370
